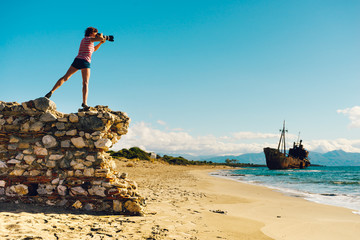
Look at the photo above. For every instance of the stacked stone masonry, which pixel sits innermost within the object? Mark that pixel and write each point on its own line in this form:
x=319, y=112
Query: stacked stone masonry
x=47, y=157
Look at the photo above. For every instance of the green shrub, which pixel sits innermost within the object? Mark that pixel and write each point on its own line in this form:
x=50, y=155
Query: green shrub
x=131, y=153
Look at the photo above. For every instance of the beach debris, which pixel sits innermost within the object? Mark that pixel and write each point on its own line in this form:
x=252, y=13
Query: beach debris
x=52, y=158
x=219, y=211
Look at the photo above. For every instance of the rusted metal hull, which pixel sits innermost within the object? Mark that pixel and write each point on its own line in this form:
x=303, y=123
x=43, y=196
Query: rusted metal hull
x=277, y=160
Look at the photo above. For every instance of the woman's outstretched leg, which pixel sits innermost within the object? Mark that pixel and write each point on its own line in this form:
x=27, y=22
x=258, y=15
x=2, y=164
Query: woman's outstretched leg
x=61, y=81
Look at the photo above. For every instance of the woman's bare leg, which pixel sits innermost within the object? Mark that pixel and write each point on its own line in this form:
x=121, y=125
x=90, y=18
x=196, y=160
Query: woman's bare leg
x=85, y=72
x=63, y=79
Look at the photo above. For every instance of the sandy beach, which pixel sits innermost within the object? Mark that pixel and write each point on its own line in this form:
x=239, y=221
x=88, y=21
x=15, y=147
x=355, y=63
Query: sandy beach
x=185, y=202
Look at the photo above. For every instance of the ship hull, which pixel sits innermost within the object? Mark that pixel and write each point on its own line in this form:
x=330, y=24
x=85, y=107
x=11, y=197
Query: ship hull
x=277, y=160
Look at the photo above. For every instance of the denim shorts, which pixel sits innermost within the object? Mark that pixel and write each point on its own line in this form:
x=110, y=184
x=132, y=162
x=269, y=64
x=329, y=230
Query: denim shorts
x=80, y=63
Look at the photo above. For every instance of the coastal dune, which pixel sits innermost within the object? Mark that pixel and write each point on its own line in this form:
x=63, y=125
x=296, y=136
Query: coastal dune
x=185, y=202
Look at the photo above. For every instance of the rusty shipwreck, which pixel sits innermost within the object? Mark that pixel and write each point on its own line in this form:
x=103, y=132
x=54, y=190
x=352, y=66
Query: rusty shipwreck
x=297, y=156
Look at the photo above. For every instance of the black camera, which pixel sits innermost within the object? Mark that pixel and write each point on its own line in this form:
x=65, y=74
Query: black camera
x=107, y=38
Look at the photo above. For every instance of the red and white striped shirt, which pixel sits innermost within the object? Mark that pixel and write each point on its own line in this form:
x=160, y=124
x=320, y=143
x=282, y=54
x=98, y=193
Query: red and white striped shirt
x=86, y=49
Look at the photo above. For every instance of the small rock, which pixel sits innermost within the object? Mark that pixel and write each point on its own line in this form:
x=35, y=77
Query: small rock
x=12, y=146
x=10, y=120
x=78, y=142
x=29, y=159
x=97, y=190
x=44, y=104
x=81, y=114
x=79, y=166
x=78, y=173
x=63, y=119
x=49, y=141
x=45, y=189
x=77, y=204
x=28, y=151
x=73, y=118
x=60, y=126
x=60, y=133
x=2, y=183
x=78, y=191
x=90, y=158
x=17, y=172
x=14, y=139
x=117, y=206
x=61, y=190
x=56, y=157
x=48, y=117
x=133, y=207
x=25, y=127
x=20, y=156
x=89, y=172
x=124, y=175
x=40, y=151
x=51, y=164
x=89, y=206
x=19, y=189
x=50, y=203
x=23, y=145
x=36, y=127
x=35, y=173
x=103, y=144
x=71, y=132
x=65, y=144
x=2, y=164
x=102, y=172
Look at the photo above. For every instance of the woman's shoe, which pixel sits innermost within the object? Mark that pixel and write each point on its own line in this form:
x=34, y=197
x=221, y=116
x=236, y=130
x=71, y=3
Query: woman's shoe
x=48, y=95
x=86, y=107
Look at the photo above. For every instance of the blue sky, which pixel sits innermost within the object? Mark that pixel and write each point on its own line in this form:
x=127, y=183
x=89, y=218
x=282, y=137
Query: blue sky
x=198, y=77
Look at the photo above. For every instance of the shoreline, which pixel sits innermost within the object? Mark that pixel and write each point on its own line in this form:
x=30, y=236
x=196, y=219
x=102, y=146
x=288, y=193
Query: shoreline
x=286, y=217
x=308, y=196
x=186, y=202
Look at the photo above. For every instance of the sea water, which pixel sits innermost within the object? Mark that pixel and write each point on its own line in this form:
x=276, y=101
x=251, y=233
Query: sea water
x=338, y=186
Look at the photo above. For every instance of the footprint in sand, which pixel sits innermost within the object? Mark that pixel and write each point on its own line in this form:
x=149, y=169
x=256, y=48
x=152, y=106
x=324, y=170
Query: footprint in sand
x=12, y=227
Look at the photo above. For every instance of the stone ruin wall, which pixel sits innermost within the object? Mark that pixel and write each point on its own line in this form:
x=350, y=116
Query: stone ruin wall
x=51, y=158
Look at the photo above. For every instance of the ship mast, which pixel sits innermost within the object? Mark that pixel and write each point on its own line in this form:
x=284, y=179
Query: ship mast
x=298, y=140
x=282, y=139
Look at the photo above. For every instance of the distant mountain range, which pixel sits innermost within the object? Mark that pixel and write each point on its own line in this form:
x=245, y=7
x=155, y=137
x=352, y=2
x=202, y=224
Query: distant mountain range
x=333, y=158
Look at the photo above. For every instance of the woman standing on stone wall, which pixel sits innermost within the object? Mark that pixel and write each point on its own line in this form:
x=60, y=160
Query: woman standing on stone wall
x=82, y=61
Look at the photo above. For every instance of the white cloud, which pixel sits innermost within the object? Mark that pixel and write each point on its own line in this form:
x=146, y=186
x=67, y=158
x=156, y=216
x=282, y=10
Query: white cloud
x=181, y=142
x=353, y=114
x=161, y=122
x=143, y=135
x=252, y=135
x=331, y=145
